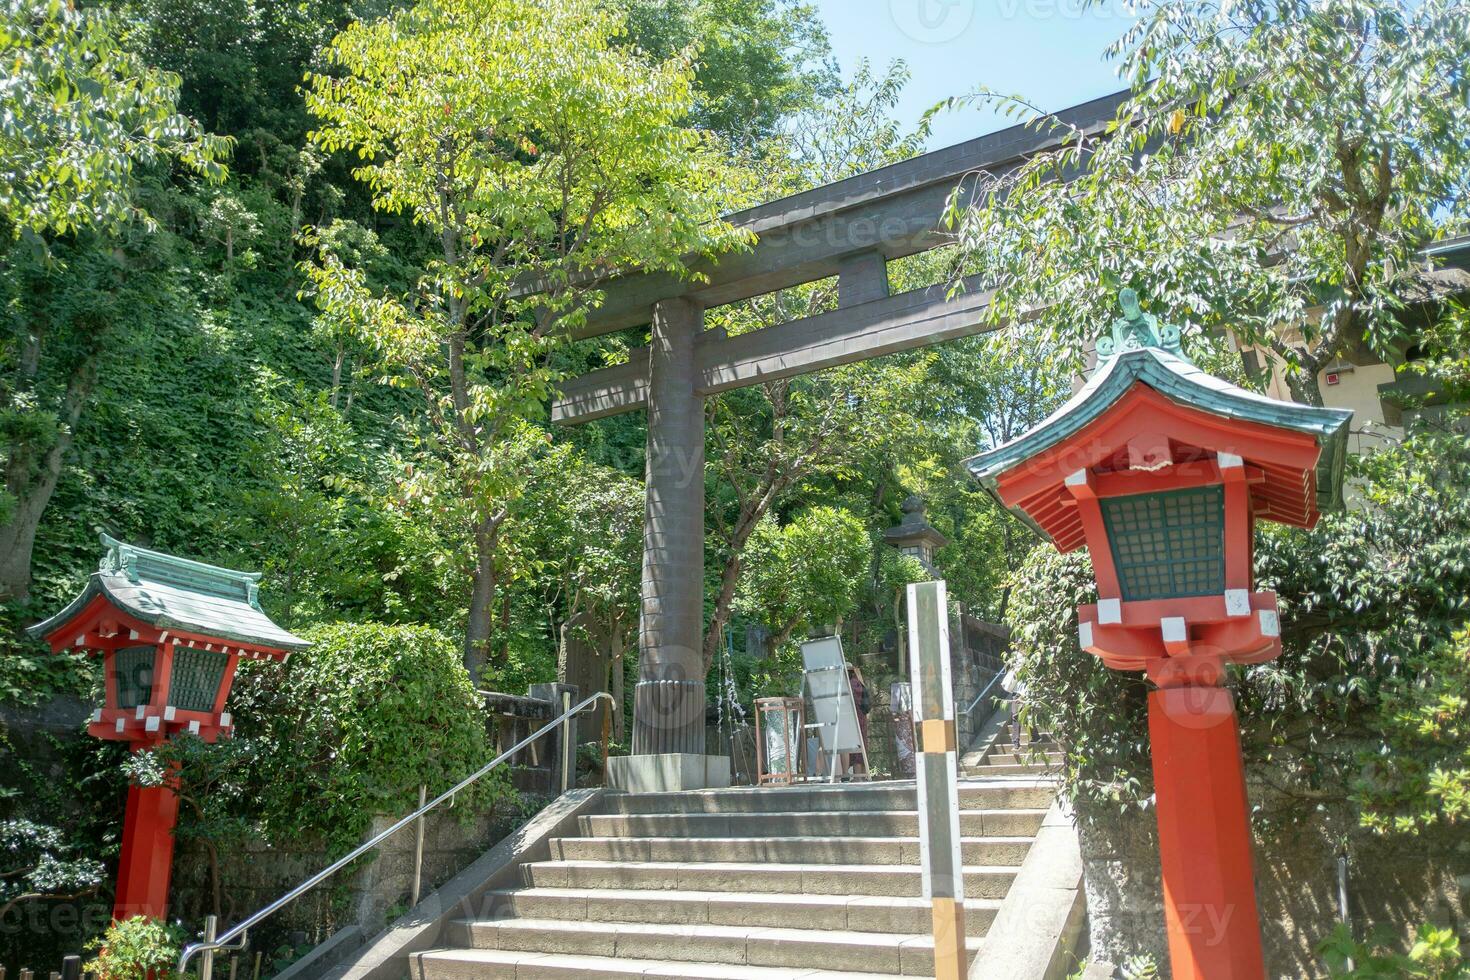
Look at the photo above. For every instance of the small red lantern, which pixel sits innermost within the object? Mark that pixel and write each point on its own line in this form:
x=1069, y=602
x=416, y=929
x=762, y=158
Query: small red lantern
x=1161, y=470
x=170, y=633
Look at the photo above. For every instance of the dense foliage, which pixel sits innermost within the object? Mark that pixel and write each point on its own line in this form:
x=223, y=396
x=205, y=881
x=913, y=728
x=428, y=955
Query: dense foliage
x=531, y=149
x=1274, y=172
x=355, y=727
x=139, y=948
x=1434, y=954
x=37, y=860
x=85, y=121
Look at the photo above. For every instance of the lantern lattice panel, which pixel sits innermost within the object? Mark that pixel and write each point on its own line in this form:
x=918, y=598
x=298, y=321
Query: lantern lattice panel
x=132, y=668
x=1168, y=545
x=196, y=678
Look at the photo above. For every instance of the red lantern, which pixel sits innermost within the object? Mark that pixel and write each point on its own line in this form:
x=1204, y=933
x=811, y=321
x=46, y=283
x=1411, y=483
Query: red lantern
x=1161, y=471
x=170, y=633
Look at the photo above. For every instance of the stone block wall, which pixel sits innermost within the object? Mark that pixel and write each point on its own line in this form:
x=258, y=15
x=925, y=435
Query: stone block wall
x=367, y=895
x=1396, y=883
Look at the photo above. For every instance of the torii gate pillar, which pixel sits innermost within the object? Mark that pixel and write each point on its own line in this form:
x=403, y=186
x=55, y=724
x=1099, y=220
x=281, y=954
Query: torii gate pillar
x=668, y=701
x=668, y=712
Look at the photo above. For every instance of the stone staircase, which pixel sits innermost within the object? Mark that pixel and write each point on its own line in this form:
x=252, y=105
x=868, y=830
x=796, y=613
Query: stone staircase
x=995, y=756
x=809, y=881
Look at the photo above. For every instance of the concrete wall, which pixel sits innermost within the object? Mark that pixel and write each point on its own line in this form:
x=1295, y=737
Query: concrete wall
x=1397, y=884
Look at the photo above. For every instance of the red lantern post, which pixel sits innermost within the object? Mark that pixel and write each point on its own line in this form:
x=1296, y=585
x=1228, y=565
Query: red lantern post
x=170, y=633
x=1161, y=471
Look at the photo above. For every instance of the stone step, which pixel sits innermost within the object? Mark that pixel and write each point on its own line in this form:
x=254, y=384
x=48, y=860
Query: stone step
x=501, y=964
x=851, y=823
x=890, y=953
x=984, y=769
x=877, y=796
x=883, y=913
x=996, y=850
x=893, y=880
x=1025, y=757
x=1005, y=734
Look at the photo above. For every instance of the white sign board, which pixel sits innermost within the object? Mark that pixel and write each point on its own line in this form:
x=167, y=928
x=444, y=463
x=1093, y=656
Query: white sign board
x=833, y=710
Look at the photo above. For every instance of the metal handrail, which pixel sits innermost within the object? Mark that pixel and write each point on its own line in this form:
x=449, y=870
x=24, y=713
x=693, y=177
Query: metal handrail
x=225, y=941
x=993, y=681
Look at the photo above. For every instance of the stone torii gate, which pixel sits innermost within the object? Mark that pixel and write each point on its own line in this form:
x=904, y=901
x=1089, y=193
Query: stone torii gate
x=848, y=229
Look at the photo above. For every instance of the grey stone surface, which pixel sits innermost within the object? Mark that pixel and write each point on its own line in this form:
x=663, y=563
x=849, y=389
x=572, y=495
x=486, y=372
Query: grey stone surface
x=1041, y=920
x=666, y=772
x=385, y=957
x=861, y=277
x=1395, y=884
x=886, y=325
x=668, y=701
x=814, y=904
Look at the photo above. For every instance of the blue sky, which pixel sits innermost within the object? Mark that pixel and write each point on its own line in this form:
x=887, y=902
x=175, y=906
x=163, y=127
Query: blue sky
x=1048, y=51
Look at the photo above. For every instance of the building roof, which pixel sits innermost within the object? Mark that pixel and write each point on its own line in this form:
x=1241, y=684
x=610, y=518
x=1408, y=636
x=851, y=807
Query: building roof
x=1140, y=351
x=174, y=593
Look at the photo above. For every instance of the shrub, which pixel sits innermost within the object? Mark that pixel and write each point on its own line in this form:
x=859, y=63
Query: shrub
x=1434, y=955
x=139, y=948
x=351, y=727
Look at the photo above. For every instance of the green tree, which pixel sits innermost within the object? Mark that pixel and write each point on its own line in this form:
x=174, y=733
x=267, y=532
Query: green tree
x=212, y=783
x=86, y=124
x=1274, y=173
x=759, y=61
x=985, y=391
x=38, y=862
x=770, y=439
x=1425, y=720
x=805, y=573
x=584, y=523
x=534, y=151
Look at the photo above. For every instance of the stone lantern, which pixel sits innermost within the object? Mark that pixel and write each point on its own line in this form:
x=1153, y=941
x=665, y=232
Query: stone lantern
x=914, y=536
x=1161, y=470
x=170, y=633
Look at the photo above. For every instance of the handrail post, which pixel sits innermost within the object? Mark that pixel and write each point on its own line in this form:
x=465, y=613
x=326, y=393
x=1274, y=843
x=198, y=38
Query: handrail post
x=606, y=737
x=206, y=965
x=566, y=741
x=418, y=848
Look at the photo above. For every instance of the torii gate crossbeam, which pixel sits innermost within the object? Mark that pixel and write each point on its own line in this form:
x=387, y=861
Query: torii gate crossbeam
x=848, y=229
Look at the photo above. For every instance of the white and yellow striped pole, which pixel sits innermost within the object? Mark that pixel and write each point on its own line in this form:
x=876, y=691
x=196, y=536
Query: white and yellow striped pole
x=938, y=790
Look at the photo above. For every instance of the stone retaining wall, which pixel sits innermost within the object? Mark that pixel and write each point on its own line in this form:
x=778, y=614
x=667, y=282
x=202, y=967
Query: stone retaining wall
x=367, y=895
x=1393, y=883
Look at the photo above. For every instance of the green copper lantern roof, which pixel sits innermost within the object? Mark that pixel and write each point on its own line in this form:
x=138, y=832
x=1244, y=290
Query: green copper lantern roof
x=174, y=593
x=1141, y=351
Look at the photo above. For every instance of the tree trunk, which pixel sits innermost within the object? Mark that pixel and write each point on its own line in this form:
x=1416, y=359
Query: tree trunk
x=1303, y=384
x=724, y=602
x=336, y=388
x=31, y=483
x=745, y=526
x=18, y=538
x=482, y=601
